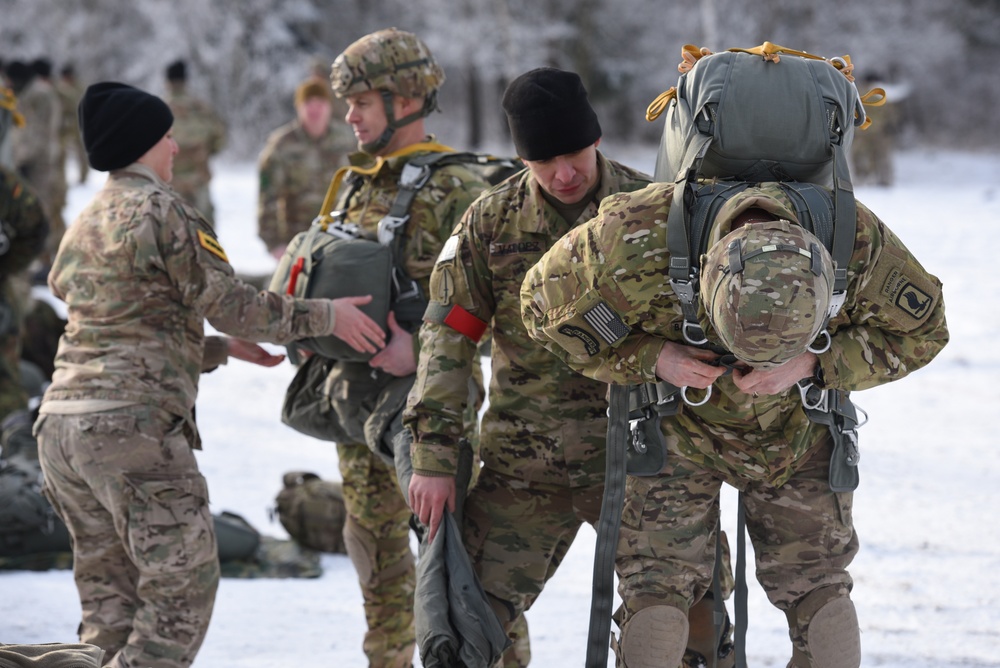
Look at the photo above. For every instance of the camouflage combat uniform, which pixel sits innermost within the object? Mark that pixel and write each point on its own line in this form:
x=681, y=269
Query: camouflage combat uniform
x=802, y=532
x=70, y=141
x=294, y=173
x=377, y=527
x=35, y=151
x=140, y=271
x=200, y=134
x=23, y=229
x=542, y=435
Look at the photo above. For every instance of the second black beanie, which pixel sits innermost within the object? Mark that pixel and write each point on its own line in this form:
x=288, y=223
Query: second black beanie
x=549, y=114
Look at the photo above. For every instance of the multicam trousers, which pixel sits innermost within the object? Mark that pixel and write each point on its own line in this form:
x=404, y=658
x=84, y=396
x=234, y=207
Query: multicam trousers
x=127, y=485
x=802, y=532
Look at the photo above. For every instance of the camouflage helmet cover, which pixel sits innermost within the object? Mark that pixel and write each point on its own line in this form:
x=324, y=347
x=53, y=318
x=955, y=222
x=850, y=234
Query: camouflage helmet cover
x=766, y=288
x=391, y=60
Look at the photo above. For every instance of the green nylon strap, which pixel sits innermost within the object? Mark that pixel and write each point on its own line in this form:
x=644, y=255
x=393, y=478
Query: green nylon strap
x=607, y=529
x=740, y=634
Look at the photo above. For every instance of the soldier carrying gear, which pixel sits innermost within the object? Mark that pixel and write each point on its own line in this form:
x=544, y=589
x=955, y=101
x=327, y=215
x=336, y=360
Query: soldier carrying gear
x=392, y=62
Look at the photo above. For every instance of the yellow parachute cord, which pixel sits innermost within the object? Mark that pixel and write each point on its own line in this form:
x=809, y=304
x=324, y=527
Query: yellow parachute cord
x=8, y=101
x=324, y=220
x=691, y=54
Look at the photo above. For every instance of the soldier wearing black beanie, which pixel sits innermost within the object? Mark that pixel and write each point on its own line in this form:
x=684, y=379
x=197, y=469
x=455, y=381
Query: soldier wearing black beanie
x=549, y=114
x=120, y=123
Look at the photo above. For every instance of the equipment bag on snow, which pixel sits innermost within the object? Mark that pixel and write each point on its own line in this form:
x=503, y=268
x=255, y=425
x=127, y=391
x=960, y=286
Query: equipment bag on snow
x=312, y=511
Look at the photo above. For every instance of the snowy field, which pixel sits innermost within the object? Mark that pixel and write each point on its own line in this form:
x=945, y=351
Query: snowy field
x=928, y=575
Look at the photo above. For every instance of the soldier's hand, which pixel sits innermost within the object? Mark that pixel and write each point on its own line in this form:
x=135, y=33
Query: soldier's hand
x=429, y=496
x=397, y=358
x=354, y=327
x=756, y=382
x=687, y=366
x=249, y=351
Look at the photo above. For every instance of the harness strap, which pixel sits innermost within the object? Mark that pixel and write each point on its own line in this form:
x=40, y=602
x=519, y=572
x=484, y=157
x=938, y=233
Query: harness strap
x=740, y=605
x=608, y=526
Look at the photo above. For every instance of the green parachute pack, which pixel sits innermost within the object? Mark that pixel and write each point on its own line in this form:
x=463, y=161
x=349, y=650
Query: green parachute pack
x=334, y=259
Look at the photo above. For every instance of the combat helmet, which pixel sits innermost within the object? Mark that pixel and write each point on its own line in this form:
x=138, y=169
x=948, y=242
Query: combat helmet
x=766, y=287
x=393, y=62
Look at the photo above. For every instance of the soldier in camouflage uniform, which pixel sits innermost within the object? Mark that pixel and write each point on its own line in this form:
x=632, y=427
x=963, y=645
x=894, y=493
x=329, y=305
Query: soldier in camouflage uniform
x=35, y=147
x=140, y=271
x=600, y=299
x=23, y=229
x=389, y=80
x=200, y=134
x=70, y=93
x=542, y=437
x=295, y=165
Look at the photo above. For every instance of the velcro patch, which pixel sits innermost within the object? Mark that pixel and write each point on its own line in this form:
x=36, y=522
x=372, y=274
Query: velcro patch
x=449, y=249
x=465, y=323
x=608, y=325
x=904, y=292
x=212, y=245
x=590, y=344
x=905, y=295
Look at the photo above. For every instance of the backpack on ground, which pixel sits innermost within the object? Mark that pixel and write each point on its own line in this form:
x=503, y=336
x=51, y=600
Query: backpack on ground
x=332, y=258
x=312, y=511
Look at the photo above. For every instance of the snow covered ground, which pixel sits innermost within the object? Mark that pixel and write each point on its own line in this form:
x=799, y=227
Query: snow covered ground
x=928, y=575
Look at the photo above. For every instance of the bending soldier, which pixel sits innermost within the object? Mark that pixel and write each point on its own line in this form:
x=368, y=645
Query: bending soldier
x=600, y=300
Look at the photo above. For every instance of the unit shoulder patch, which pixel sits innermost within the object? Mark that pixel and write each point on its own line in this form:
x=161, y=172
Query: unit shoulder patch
x=212, y=245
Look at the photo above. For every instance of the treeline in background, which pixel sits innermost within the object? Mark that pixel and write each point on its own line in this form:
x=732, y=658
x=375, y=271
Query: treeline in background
x=246, y=56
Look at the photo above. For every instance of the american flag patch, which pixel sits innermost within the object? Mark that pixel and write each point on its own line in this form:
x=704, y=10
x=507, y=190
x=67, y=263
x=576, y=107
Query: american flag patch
x=606, y=323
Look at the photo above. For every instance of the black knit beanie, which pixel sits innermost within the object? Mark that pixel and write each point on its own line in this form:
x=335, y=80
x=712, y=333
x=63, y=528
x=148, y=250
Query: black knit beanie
x=120, y=123
x=549, y=114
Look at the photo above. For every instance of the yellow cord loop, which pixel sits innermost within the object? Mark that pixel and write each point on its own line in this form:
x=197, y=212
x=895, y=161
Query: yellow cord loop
x=691, y=54
x=659, y=105
x=8, y=101
x=324, y=219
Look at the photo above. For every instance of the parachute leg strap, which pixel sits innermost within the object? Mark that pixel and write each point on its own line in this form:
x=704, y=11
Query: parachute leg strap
x=607, y=530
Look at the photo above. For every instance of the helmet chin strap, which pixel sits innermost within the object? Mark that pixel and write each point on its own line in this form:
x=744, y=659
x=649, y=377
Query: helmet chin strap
x=392, y=123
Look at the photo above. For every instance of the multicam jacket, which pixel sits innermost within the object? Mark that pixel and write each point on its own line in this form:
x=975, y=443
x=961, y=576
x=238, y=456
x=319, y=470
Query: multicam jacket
x=892, y=323
x=544, y=422
x=140, y=271
x=295, y=170
x=199, y=133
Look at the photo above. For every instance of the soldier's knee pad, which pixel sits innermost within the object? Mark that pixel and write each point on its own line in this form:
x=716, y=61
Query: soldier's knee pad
x=828, y=622
x=367, y=553
x=653, y=638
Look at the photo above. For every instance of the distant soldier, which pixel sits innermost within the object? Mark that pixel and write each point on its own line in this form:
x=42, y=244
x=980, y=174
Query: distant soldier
x=23, y=229
x=296, y=165
x=873, y=147
x=200, y=134
x=35, y=147
x=70, y=92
